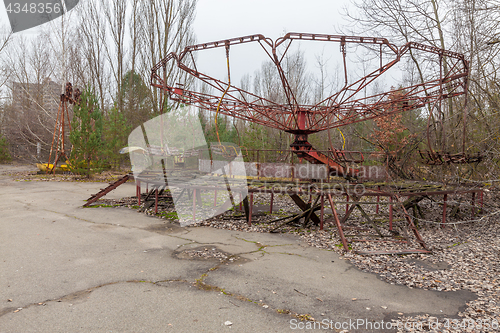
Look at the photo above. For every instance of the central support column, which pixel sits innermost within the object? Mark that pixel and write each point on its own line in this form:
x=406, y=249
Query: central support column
x=303, y=149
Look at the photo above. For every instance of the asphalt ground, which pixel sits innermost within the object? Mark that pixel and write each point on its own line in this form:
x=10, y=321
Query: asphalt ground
x=64, y=268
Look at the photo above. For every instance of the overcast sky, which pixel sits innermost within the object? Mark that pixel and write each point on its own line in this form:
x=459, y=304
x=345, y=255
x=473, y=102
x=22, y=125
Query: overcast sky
x=222, y=19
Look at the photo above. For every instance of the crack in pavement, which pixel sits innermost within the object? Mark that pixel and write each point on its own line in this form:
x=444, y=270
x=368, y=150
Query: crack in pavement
x=81, y=293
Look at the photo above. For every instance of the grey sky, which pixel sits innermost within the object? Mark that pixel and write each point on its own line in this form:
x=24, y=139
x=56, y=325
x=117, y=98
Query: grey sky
x=221, y=19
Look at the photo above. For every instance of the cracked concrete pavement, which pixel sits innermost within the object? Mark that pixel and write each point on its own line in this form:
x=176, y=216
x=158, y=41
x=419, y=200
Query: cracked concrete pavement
x=65, y=268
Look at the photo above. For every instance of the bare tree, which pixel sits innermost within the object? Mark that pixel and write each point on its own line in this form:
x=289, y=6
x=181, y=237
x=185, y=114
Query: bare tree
x=92, y=32
x=5, y=38
x=32, y=113
x=115, y=12
x=166, y=27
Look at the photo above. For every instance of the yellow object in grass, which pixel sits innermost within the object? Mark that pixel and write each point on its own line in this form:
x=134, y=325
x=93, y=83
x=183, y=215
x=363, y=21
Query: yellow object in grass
x=49, y=166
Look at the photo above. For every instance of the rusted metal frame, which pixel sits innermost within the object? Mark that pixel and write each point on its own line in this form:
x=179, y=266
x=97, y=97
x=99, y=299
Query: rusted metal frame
x=194, y=62
x=67, y=114
x=303, y=206
x=369, y=220
x=455, y=70
x=347, y=204
x=466, y=105
x=287, y=88
x=380, y=56
x=379, y=241
x=359, y=85
x=271, y=203
x=429, y=48
x=431, y=116
x=410, y=223
x=378, y=252
x=312, y=209
x=284, y=52
x=156, y=200
x=61, y=121
x=459, y=58
x=250, y=209
x=317, y=118
x=347, y=214
x=138, y=191
x=269, y=43
x=369, y=193
x=473, y=208
x=160, y=64
x=292, y=101
x=337, y=222
x=378, y=200
x=106, y=190
x=194, y=204
x=410, y=96
x=390, y=213
x=357, y=204
x=313, y=156
x=266, y=122
x=440, y=101
x=322, y=213
x=424, y=101
x=336, y=38
x=209, y=102
x=344, y=54
x=213, y=82
x=358, y=117
x=197, y=98
x=53, y=137
x=221, y=43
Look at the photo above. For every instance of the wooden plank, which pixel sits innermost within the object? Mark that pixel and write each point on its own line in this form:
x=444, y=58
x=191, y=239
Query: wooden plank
x=302, y=205
x=409, y=251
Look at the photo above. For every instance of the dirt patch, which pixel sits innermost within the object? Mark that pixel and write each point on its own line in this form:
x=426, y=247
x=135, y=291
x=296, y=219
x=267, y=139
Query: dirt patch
x=206, y=252
x=165, y=228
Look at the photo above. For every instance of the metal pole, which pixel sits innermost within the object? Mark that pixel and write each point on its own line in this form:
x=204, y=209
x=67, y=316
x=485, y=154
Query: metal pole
x=337, y=222
x=378, y=200
x=241, y=202
x=322, y=212
x=138, y=192
x=250, y=209
x=346, y=205
x=473, y=204
x=271, y=205
x=390, y=213
x=194, y=204
x=156, y=201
